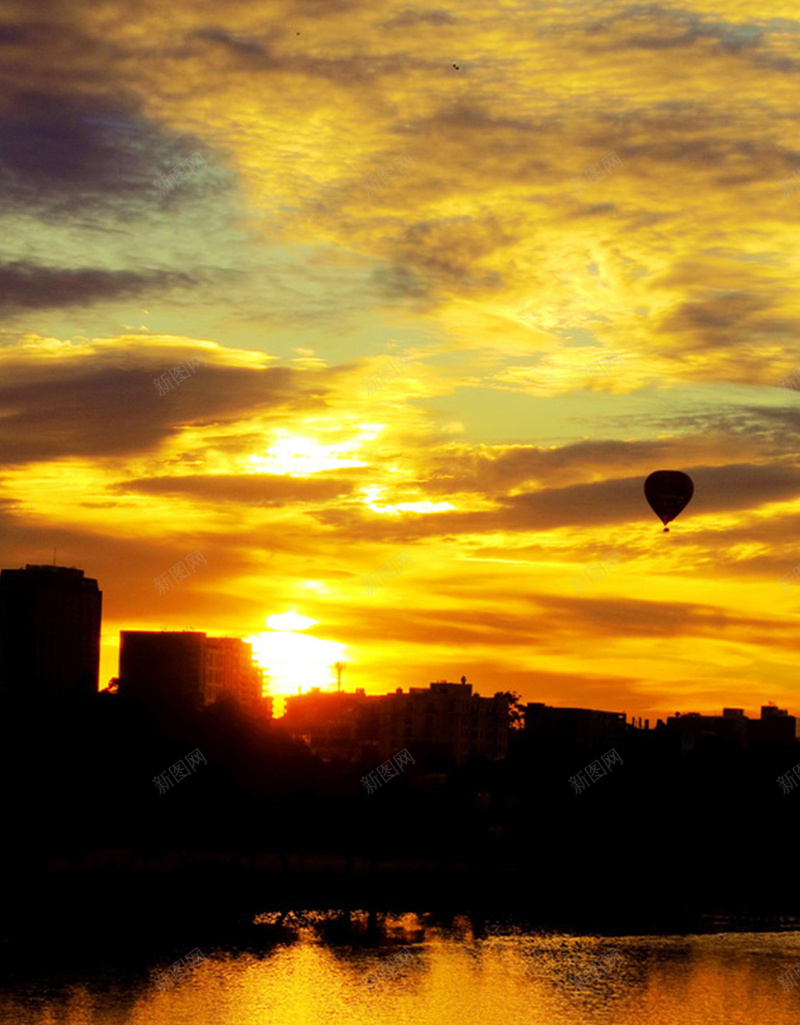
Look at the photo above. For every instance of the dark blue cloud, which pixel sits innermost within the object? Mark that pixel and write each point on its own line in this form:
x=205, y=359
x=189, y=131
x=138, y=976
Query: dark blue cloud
x=108, y=405
x=62, y=154
x=33, y=287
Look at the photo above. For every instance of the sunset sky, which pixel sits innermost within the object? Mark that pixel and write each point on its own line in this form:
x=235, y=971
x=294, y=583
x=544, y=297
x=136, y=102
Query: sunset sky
x=501, y=460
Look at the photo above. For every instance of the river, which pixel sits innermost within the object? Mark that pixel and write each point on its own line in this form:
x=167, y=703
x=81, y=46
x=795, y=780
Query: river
x=422, y=973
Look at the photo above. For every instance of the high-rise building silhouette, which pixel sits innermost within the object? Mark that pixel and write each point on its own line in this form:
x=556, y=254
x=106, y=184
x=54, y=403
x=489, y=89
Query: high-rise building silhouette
x=162, y=669
x=229, y=671
x=186, y=669
x=49, y=633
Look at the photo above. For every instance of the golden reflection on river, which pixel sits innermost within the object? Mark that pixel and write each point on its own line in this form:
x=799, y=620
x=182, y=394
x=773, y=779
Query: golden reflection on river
x=449, y=978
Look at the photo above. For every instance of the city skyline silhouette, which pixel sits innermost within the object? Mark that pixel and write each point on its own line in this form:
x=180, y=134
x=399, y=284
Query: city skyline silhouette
x=399, y=493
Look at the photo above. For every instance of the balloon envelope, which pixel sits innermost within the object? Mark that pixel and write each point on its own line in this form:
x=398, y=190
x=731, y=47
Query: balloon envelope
x=668, y=492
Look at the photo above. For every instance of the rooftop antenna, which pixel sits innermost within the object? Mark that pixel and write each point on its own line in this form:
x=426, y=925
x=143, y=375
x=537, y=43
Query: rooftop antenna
x=339, y=667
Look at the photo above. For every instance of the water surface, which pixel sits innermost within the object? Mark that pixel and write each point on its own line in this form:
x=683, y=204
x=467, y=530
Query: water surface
x=429, y=976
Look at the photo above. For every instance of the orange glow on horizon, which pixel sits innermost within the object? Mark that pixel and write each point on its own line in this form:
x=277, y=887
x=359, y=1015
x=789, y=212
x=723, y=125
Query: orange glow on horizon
x=294, y=661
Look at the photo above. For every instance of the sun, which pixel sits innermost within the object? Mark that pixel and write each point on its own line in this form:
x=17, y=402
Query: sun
x=297, y=455
x=294, y=660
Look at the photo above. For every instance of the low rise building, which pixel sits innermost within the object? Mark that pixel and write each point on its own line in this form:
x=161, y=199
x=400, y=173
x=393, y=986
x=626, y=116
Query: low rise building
x=334, y=724
x=447, y=715
x=583, y=727
x=358, y=726
x=775, y=725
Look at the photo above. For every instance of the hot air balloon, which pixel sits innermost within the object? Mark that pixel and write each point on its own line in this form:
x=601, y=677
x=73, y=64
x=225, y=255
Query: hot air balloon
x=668, y=492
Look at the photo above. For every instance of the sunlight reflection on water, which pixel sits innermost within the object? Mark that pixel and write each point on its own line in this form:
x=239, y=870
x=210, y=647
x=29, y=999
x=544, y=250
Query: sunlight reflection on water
x=446, y=976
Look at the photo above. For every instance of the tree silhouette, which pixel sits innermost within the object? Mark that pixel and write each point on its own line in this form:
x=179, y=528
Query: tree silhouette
x=516, y=710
